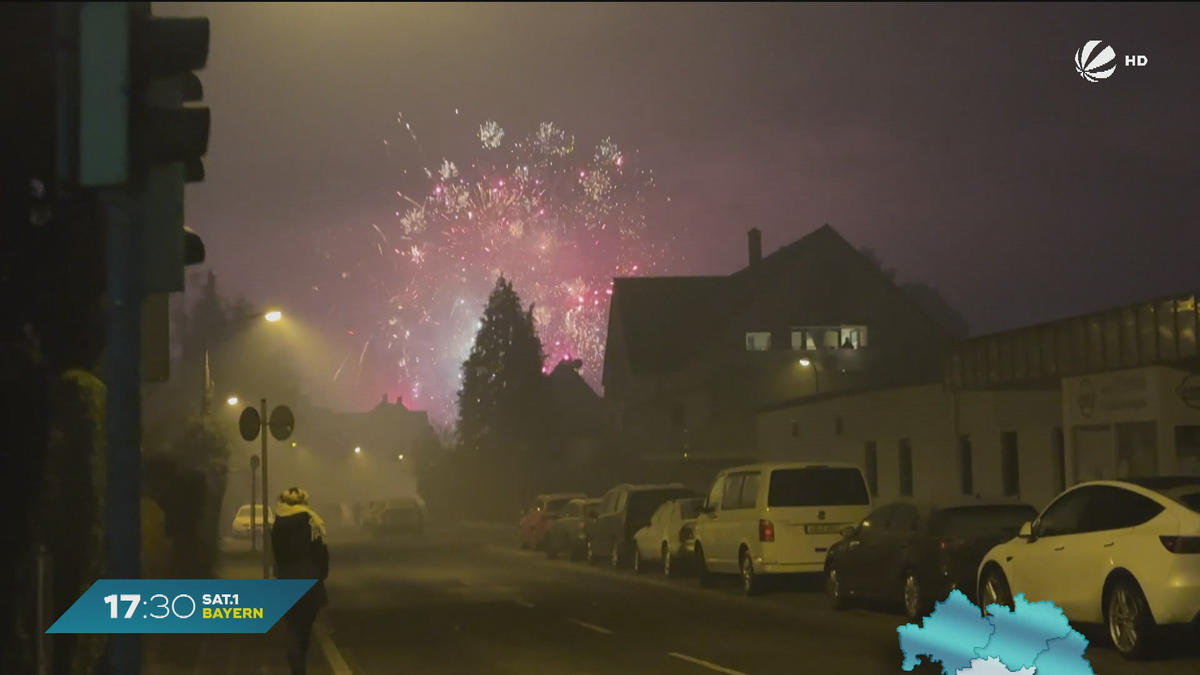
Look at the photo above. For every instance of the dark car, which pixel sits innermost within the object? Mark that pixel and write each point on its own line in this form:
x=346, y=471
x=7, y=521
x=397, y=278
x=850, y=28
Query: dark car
x=624, y=510
x=918, y=552
x=568, y=534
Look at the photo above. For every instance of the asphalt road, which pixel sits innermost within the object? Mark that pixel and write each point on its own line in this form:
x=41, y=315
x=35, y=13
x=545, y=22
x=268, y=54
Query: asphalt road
x=468, y=601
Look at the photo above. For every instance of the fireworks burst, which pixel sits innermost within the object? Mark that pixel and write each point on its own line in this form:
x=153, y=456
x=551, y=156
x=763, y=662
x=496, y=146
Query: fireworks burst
x=558, y=221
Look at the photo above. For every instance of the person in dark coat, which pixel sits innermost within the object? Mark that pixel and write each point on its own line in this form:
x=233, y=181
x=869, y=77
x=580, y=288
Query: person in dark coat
x=298, y=544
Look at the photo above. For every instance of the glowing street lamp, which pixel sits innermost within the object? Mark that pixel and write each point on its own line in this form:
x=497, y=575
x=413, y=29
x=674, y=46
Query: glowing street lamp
x=273, y=315
x=357, y=450
x=233, y=400
x=400, y=456
x=805, y=363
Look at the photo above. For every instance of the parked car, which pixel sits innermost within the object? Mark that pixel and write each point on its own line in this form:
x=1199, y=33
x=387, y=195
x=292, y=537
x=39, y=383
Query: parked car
x=405, y=515
x=568, y=533
x=918, y=552
x=763, y=520
x=536, y=520
x=669, y=538
x=624, y=510
x=241, y=521
x=1123, y=553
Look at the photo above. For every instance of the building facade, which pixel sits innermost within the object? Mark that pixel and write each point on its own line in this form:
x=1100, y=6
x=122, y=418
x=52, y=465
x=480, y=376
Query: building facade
x=690, y=359
x=1024, y=413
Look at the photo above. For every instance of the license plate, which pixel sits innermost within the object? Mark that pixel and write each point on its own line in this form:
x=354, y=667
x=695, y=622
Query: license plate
x=823, y=528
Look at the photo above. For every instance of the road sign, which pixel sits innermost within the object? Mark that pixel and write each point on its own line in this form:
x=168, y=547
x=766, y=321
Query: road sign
x=282, y=422
x=1189, y=391
x=250, y=423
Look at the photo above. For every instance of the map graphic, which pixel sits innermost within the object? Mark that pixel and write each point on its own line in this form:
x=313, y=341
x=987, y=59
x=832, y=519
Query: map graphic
x=1033, y=637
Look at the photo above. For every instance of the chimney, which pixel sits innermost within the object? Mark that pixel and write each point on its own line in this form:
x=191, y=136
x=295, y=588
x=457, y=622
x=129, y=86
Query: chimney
x=755, y=237
x=385, y=397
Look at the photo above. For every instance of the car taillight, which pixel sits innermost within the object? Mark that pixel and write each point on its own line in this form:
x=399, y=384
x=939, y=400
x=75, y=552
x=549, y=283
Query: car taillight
x=686, y=534
x=1181, y=545
x=766, y=530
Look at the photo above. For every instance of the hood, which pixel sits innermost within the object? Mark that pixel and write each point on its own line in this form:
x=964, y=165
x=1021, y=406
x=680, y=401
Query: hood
x=318, y=525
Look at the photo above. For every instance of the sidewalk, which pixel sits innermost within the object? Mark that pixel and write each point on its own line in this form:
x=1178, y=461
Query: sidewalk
x=227, y=654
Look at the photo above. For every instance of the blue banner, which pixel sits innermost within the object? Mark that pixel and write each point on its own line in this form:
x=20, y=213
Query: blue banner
x=182, y=606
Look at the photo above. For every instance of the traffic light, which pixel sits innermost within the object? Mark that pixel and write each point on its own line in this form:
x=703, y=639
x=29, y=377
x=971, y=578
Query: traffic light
x=168, y=137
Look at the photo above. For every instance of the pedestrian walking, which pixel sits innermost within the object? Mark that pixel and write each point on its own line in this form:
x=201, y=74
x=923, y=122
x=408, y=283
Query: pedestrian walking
x=298, y=544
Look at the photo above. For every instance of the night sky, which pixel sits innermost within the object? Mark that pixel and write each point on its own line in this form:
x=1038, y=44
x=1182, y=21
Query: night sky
x=956, y=140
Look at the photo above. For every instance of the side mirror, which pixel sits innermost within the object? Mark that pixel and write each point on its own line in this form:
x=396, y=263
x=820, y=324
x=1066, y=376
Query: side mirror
x=1026, y=531
x=849, y=531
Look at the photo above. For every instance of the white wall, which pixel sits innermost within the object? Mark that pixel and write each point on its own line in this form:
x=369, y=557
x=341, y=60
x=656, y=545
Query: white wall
x=925, y=415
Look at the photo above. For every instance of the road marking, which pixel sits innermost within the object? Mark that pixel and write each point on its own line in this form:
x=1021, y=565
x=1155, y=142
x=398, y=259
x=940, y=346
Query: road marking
x=598, y=629
x=705, y=664
x=332, y=656
x=524, y=604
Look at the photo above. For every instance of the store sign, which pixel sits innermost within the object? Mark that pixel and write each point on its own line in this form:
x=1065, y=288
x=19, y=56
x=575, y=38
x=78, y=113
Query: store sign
x=1189, y=391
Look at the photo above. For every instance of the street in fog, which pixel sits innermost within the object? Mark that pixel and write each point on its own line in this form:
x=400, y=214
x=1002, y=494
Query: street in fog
x=468, y=600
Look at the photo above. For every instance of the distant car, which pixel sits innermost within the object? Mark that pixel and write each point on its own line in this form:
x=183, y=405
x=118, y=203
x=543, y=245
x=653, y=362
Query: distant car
x=1123, y=553
x=764, y=520
x=918, y=552
x=568, y=534
x=396, y=516
x=536, y=520
x=624, y=510
x=669, y=539
x=241, y=521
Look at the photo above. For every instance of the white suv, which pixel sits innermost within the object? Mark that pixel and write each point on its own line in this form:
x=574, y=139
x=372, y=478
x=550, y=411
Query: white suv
x=768, y=519
x=1122, y=553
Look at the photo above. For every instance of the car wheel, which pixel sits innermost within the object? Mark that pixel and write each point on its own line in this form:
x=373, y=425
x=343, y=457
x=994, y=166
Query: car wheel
x=703, y=575
x=994, y=590
x=615, y=555
x=835, y=590
x=666, y=558
x=637, y=559
x=914, y=596
x=1130, y=625
x=751, y=583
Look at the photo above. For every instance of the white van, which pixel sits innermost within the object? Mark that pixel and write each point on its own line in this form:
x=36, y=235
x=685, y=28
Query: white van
x=767, y=519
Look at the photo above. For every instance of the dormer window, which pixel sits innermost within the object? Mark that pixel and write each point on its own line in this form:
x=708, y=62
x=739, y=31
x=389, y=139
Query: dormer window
x=758, y=342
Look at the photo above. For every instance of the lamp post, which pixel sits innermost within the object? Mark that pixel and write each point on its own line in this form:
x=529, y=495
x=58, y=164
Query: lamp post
x=272, y=316
x=805, y=363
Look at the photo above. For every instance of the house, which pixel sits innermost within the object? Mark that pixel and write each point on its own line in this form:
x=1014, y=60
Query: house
x=690, y=359
x=1025, y=413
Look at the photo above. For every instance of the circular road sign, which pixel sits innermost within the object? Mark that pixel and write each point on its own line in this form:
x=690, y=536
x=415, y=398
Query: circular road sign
x=250, y=424
x=282, y=422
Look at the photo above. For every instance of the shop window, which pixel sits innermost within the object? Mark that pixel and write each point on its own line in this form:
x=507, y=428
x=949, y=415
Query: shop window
x=758, y=342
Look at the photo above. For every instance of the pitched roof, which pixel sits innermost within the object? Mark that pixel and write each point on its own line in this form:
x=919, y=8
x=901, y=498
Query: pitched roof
x=665, y=320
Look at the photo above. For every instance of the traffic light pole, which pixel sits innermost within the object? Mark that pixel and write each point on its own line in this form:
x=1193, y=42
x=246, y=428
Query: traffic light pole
x=123, y=408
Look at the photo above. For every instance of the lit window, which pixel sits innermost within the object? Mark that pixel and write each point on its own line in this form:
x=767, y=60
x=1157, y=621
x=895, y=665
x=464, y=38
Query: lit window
x=852, y=337
x=758, y=342
x=803, y=340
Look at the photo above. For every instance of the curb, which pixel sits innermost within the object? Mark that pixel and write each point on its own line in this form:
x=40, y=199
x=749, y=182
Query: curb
x=329, y=649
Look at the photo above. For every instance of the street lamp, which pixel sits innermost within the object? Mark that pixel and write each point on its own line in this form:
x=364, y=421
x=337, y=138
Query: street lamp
x=805, y=363
x=205, y=403
x=233, y=400
x=357, y=450
x=400, y=456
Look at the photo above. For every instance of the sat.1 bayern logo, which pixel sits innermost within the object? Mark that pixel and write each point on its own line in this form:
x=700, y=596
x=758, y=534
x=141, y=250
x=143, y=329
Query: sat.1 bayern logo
x=1097, y=61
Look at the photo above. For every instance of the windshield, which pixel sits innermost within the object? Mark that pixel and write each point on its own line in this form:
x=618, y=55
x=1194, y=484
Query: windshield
x=817, y=486
x=690, y=508
x=643, y=503
x=244, y=512
x=557, y=505
x=971, y=522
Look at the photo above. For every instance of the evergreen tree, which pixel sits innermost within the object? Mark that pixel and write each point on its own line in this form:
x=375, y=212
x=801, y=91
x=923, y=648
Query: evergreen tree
x=502, y=385
x=208, y=322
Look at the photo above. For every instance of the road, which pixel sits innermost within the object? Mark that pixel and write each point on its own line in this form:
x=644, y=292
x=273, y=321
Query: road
x=467, y=601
